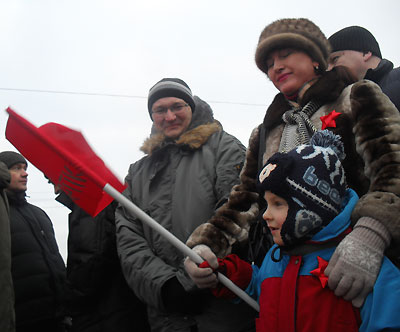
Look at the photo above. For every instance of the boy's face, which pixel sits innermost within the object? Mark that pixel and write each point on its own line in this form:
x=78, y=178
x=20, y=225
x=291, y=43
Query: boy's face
x=275, y=215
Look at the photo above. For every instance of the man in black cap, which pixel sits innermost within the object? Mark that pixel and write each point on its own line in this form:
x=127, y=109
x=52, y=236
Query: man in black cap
x=357, y=49
x=38, y=269
x=190, y=166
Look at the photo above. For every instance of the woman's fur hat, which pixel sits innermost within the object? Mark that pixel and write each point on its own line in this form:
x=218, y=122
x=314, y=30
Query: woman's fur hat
x=297, y=33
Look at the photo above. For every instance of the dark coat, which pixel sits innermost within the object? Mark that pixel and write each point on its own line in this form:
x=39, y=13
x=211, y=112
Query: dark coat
x=7, y=317
x=38, y=269
x=98, y=297
x=388, y=79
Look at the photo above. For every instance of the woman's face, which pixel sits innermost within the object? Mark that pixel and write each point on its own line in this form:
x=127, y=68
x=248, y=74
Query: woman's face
x=289, y=69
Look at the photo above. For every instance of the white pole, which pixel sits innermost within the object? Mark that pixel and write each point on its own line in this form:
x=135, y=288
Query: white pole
x=176, y=242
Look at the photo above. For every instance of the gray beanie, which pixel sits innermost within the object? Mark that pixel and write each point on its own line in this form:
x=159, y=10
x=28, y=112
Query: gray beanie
x=355, y=38
x=10, y=158
x=170, y=87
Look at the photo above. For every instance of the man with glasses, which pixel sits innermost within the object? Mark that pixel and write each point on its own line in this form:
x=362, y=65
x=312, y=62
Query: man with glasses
x=189, y=169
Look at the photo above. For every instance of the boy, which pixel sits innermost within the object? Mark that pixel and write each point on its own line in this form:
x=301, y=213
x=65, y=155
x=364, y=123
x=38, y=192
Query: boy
x=308, y=213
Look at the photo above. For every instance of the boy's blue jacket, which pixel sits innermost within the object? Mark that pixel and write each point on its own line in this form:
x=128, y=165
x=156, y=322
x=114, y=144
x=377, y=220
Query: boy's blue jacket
x=292, y=299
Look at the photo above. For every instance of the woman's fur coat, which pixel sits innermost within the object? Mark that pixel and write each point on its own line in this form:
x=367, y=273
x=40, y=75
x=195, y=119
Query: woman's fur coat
x=369, y=125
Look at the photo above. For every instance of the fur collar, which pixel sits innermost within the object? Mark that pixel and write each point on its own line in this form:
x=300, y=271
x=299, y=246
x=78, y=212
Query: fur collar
x=327, y=89
x=201, y=128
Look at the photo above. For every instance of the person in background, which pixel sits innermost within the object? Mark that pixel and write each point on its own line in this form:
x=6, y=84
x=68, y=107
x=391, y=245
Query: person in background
x=38, y=269
x=308, y=212
x=357, y=49
x=293, y=53
x=7, y=315
x=191, y=163
x=98, y=298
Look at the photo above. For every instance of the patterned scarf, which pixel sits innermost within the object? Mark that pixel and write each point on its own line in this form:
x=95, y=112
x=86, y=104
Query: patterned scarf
x=298, y=127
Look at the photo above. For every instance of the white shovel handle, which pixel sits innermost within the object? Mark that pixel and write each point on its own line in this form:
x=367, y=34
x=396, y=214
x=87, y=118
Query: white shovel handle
x=130, y=206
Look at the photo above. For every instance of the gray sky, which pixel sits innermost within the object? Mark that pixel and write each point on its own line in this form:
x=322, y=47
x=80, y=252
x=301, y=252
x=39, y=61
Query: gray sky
x=97, y=60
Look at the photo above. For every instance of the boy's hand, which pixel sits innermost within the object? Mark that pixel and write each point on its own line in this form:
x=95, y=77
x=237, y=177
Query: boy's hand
x=203, y=277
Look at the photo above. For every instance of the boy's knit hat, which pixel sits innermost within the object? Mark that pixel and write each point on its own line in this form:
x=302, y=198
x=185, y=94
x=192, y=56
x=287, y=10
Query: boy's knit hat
x=170, y=87
x=355, y=38
x=297, y=33
x=10, y=158
x=312, y=181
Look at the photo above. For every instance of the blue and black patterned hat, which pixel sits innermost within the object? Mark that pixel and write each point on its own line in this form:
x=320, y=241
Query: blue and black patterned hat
x=311, y=179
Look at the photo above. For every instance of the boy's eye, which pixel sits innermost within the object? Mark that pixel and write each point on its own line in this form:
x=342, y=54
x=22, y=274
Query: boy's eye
x=279, y=203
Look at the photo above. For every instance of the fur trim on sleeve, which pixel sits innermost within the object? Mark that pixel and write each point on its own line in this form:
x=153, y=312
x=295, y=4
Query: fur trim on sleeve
x=377, y=136
x=377, y=132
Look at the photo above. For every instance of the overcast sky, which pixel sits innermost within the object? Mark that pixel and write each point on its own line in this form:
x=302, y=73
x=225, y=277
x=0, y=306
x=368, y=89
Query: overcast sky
x=88, y=64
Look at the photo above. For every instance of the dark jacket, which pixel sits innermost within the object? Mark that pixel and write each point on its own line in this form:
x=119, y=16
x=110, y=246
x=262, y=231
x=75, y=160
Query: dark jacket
x=388, y=79
x=98, y=297
x=38, y=269
x=7, y=317
x=369, y=127
x=179, y=184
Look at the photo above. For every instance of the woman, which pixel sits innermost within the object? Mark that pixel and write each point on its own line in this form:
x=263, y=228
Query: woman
x=293, y=53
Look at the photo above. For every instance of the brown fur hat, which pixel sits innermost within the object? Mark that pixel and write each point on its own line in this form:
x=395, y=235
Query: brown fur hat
x=297, y=33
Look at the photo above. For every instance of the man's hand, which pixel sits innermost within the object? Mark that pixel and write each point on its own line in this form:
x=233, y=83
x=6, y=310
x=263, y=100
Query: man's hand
x=203, y=277
x=356, y=262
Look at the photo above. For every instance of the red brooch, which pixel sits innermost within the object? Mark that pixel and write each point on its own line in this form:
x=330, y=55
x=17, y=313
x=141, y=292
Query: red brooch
x=329, y=120
x=319, y=271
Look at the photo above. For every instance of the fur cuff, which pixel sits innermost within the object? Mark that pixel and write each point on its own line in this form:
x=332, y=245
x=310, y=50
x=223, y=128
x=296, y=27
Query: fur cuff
x=383, y=207
x=212, y=237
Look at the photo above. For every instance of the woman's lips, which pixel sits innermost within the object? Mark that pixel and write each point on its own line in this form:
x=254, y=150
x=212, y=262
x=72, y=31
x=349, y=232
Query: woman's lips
x=283, y=77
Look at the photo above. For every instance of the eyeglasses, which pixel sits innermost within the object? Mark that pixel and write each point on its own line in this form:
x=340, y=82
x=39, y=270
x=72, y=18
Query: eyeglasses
x=161, y=111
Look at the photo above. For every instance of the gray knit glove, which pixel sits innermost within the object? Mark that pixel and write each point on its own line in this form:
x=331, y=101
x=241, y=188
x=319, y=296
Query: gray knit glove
x=356, y=262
